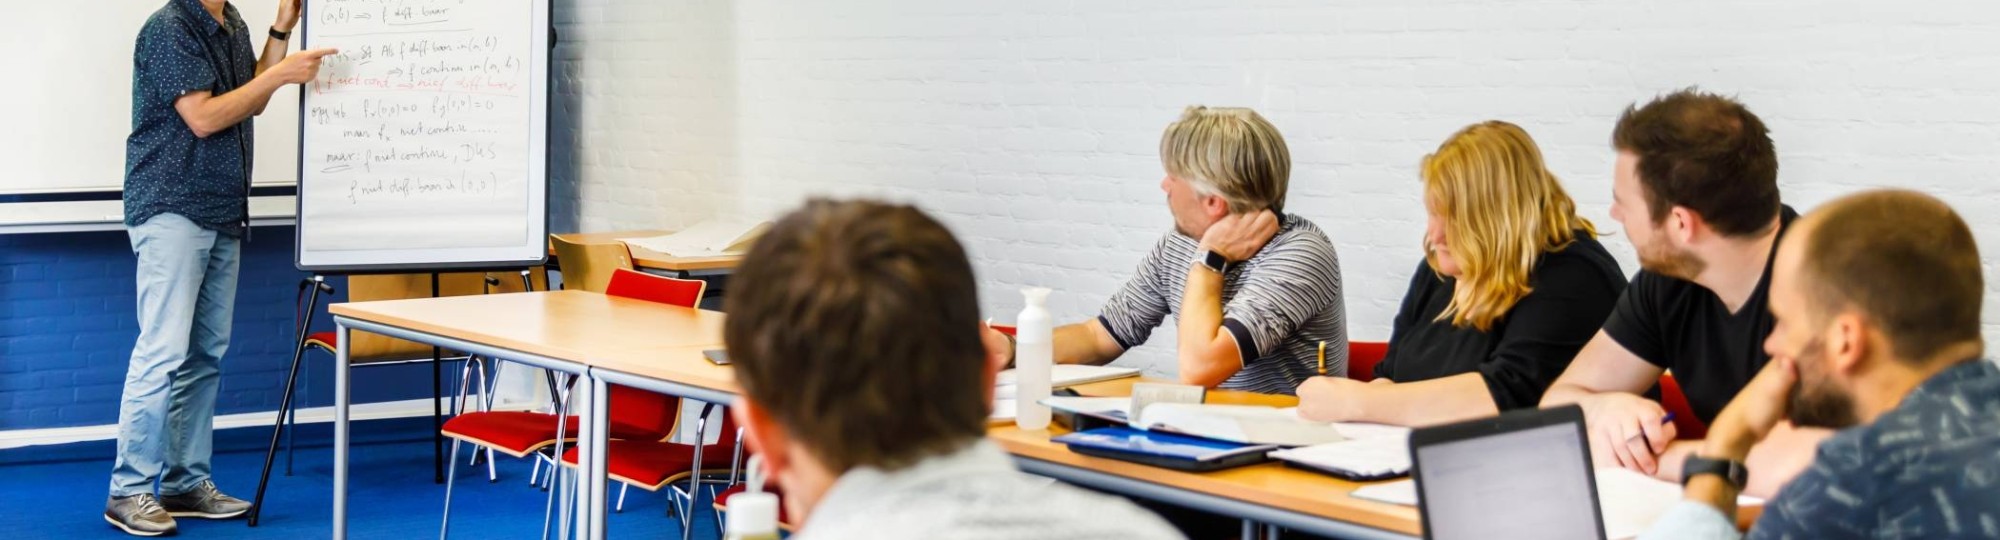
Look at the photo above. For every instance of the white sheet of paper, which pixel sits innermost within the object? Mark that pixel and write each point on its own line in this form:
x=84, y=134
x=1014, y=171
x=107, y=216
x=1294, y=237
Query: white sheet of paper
x=1004, y=411
x=1089, y=404
x=1061, y=375
x=1371, y=449
x=712, y=237
x=1239, y=423
x=1629, y=501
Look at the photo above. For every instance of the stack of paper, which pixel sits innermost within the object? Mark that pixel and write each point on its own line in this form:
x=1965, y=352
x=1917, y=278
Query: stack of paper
x=1060, y=375
x=708, y=238
x=1247, y=424
x=1064, y=375
x=1372, y=451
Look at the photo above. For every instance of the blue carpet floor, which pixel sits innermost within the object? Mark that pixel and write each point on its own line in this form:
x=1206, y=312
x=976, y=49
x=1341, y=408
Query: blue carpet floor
x=59, y=491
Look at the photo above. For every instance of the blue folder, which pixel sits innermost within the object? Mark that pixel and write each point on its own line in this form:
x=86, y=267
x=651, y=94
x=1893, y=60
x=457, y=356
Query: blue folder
x=1169, y=450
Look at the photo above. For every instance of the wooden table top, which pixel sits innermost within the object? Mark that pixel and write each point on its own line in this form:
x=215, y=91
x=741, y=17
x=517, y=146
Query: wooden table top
x=573, y=326
x=1267, y=484
x=683, y=365
x=665, y=342
x=646, y=258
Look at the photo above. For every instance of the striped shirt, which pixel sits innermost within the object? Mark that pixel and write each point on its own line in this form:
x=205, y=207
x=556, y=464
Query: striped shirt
x=972, y=494
x=1278, y=305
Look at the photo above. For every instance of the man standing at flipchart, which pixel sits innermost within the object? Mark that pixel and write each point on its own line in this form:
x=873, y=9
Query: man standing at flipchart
x=195, y=84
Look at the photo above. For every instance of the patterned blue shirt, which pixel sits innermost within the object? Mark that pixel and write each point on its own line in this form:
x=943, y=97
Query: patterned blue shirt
x=1930, y=468
x=182, y=49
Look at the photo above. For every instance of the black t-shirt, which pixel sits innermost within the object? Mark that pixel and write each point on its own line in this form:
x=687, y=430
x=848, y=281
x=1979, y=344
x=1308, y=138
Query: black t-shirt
x=1683, y=327
x=1573, y=290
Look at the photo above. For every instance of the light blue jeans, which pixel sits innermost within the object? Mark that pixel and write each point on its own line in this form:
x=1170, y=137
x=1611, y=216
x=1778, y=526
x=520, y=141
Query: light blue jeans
x=187, y=295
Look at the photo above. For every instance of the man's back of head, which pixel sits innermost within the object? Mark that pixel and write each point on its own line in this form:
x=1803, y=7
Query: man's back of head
x=855, y=326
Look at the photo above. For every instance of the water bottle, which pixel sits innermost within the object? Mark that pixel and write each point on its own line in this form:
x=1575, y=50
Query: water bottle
x=1034, y=354
x=753, y=513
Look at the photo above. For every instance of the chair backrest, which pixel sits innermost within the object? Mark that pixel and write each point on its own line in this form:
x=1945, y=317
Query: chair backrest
x=1362, y=357
x=372, y=348
x=725, y=431
x=653, y=288
x=635, y=411
x=588, y=267
x=1686, y=425
x=632, y=408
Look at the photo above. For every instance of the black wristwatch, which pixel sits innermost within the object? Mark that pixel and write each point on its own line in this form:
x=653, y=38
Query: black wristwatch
x=1215, y=261
x=280, y=36
x=1731, y=471
x=1013, y=349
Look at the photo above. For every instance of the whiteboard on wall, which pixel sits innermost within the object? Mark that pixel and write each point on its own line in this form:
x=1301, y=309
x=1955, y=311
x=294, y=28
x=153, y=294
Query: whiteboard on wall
x=71, y=104
x=423, y=144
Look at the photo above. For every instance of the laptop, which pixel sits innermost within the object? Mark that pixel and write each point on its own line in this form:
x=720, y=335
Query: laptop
x=1521, y=475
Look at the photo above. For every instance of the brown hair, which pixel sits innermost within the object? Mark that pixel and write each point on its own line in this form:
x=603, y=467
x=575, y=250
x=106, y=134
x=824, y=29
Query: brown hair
x=856, y=324
x=1707, y=153
x=1903, y=259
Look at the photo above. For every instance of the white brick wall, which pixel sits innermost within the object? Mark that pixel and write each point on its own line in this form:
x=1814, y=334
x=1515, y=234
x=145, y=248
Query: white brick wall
x=1030, y=126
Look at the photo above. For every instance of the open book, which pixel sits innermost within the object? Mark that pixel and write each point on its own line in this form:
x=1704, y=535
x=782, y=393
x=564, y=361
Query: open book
x=1247, y=424
x=708, y=238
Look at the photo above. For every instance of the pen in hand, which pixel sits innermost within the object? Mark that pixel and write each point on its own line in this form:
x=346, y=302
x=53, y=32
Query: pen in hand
x=1322, y=359
x=1664, y=420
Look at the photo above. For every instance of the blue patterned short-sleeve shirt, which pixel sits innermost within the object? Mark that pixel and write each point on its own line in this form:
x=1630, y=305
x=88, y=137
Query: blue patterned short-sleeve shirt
x=1930, y=468
x=182, y=49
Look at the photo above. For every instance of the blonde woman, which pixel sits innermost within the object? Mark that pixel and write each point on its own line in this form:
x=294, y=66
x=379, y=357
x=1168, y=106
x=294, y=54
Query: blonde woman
x=1512, y=285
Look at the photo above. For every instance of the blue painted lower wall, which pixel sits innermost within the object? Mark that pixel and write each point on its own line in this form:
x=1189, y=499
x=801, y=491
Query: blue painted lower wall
x=68, y=322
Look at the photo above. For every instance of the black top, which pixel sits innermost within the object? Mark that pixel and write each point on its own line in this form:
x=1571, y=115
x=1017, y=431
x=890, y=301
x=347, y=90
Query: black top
x=1683, y=327
x=1573, y=290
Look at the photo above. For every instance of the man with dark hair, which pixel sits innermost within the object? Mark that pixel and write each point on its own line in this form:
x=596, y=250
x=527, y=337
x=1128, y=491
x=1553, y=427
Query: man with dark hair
x=1876, y=298
x=855, y=334
x=1697, y=193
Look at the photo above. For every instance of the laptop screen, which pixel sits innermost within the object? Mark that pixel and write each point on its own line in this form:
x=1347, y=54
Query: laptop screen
x=1530, y=483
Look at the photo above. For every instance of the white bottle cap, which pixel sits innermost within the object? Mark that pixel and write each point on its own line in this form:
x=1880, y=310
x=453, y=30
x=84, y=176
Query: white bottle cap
x=1036, y=296
x=753, y=513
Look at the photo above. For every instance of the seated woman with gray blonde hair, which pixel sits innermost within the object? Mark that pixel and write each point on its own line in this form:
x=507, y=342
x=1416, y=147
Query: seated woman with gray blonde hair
x=1513, y=283
x=1250, y=288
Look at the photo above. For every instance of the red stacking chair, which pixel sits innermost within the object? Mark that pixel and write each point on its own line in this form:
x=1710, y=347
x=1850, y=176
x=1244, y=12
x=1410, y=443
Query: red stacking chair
x=1686, y=425
x=1362, y=357
x=643, y=423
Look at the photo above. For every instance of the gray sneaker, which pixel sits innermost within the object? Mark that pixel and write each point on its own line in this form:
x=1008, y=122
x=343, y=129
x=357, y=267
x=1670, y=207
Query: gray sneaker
x=204, y=501
x=139, y=515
